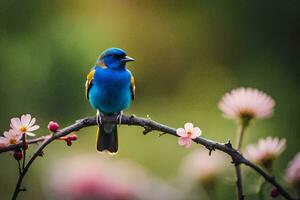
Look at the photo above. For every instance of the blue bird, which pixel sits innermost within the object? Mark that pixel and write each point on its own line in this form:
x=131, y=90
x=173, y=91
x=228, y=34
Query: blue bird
x=110, y=89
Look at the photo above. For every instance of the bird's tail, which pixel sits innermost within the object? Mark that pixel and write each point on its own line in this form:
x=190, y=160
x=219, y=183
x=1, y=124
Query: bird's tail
x=107, y=138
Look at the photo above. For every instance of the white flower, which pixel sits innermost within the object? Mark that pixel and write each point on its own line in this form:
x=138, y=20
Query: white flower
x=246, y=102
x=10, y=137
x=24, y=125
x=266, y=151
x=187, y=134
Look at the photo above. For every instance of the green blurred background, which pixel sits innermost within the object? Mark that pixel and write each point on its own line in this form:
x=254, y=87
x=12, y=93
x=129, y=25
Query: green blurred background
x=188, y=54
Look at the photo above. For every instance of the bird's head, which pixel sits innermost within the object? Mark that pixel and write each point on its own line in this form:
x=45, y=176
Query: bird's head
x=113, y=58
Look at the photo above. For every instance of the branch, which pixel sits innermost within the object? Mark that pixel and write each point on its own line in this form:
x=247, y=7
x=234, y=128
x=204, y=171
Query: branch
x=149, y=126
x=239, y=185
x=239, y=181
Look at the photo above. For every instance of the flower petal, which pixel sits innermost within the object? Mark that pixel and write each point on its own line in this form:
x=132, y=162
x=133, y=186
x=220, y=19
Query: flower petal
x=4, y=141
x=181, y=132
x=15, y=123
x=188, y=143
x=25, y=119
x=188, y=127
x=185, y=141
x=31, y=122
x=7, y=134
x=195, y=133
x=30, y=134
x=33, y=128
x=181, y=141
x=19, y=137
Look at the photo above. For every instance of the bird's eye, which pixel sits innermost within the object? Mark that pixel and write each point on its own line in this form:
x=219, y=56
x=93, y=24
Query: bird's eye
x=118, y=56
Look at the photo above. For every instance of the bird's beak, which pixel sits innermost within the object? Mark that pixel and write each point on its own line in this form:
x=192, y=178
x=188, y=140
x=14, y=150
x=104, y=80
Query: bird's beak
x=127, y=59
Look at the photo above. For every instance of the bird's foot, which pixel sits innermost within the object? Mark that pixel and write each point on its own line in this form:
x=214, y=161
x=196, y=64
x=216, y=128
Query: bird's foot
x=99, y=118
x=119, y=117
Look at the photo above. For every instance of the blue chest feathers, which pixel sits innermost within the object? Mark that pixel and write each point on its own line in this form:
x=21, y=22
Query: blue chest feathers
x=110, y=91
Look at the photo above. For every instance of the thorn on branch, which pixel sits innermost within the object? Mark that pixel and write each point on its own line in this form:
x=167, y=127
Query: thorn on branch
x=209, y=153
x=22, y=189
x=41, y=153
x=132, y=116
x=228, y=144
x=161, y=134
x=147, y=129
x=210, y=149
x=86, y=121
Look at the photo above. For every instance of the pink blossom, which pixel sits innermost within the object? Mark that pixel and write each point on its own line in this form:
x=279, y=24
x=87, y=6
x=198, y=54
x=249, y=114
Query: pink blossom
x=187, y=133
x=292, y=174
x=99, y=177
x=266, y=150
x=24, y=125
x=199, y=166
x=246, y=102
x=11, y=137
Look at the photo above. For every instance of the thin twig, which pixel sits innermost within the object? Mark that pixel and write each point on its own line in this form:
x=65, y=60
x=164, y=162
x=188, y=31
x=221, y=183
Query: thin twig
x=239, y=183
x=24, y=150
x=261, y=190
x=152, y=126
x=19, y=167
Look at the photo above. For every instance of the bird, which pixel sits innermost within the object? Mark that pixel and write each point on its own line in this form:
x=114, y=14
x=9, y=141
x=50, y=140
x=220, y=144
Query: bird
x=110, y=88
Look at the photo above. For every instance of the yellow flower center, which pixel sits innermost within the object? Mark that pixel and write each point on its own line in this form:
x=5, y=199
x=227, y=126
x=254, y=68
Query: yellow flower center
x=13, y=141
x=23, y=129
x=189, y=133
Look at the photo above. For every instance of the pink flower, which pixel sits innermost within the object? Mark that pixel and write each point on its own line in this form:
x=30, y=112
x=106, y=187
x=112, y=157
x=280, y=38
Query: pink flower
x=187, y=134
x=93, y=177
x=24, y=125
x=266, y=151
x=11, y=137
x=246, y=102
x=53, y=126
x=292, y=174
x=199, y=166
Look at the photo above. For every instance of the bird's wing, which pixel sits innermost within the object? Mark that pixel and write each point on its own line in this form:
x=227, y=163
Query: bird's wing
x=132, y=87
x=89, y=82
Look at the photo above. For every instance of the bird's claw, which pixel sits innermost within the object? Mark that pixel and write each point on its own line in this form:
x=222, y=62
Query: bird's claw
x=98, y=118
x=119, y=117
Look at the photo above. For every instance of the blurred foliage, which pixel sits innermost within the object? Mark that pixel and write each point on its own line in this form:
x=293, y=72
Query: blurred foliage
x=188, y=54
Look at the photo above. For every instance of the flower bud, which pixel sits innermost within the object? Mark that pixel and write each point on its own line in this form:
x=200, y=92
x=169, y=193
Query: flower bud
x=18, y=155
x=53, y=126
x=274, y=192
x=25, y=146
x=72, y=137
x=69, y=142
